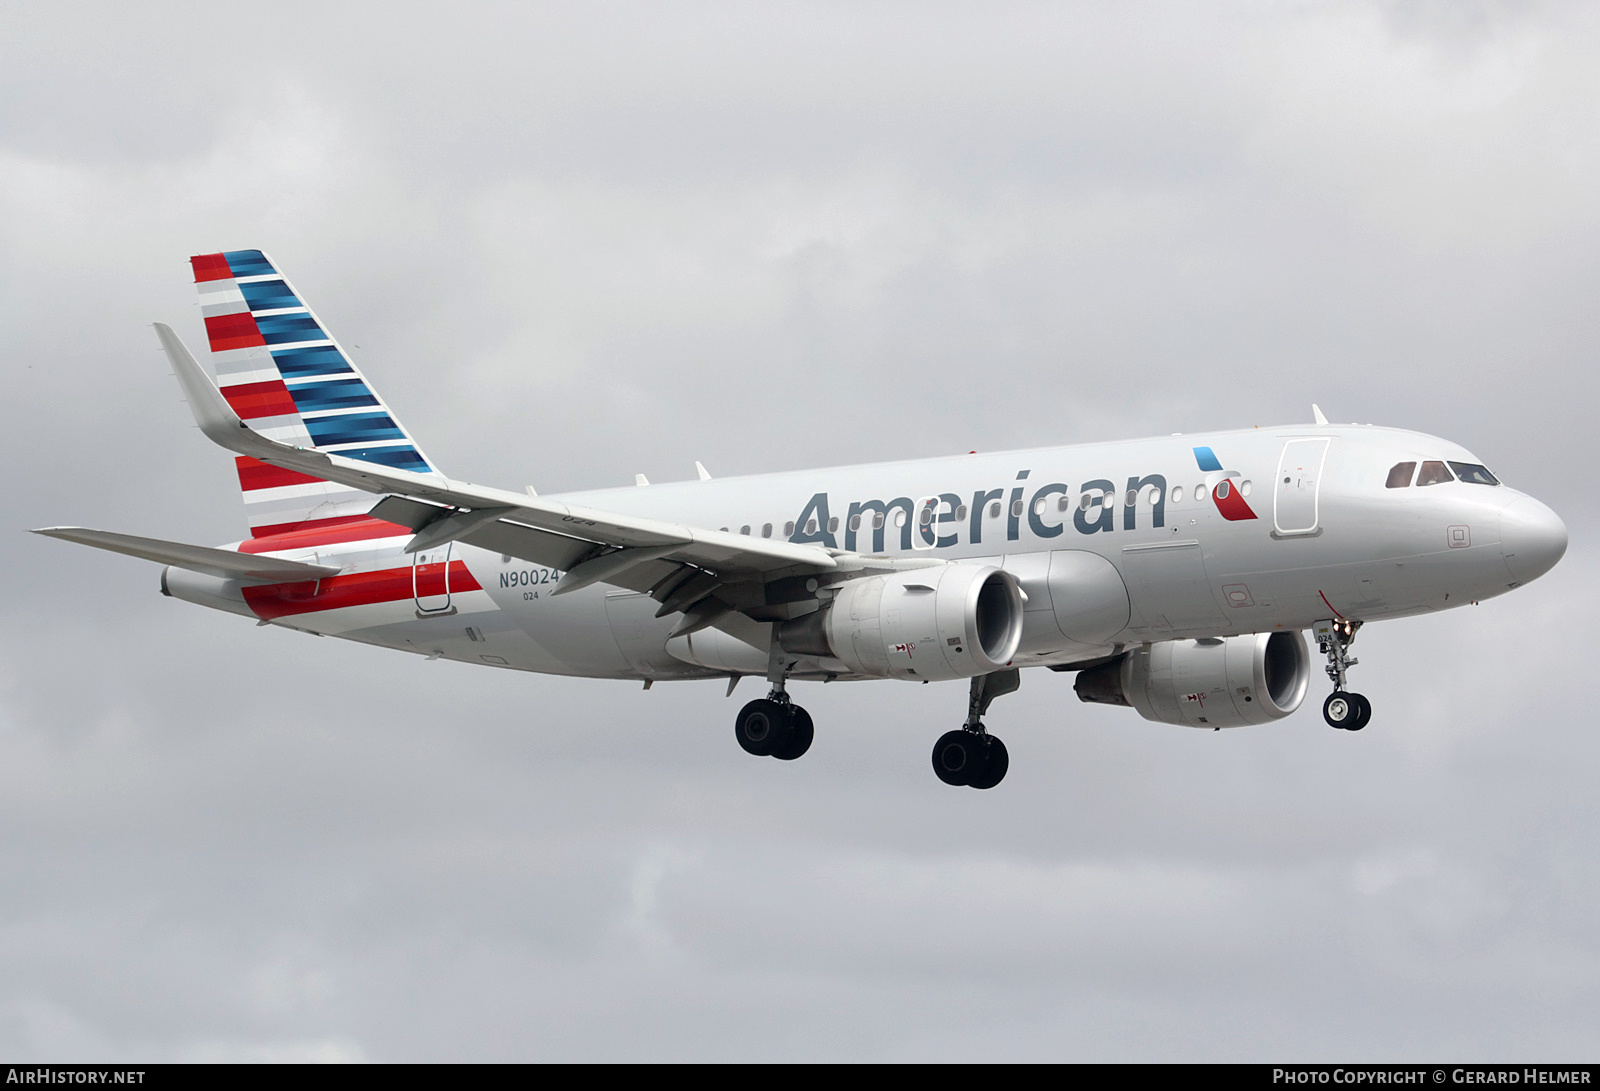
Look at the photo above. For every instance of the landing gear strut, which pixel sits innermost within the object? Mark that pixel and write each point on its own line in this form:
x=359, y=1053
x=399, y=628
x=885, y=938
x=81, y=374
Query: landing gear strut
x=970, y=756
x=774, y=726
x=1346, y=711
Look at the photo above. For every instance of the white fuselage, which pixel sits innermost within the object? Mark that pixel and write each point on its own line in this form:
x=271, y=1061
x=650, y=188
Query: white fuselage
x=1314, y=533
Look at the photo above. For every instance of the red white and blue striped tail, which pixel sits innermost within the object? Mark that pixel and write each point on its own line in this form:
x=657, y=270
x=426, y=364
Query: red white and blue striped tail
x=285, y=375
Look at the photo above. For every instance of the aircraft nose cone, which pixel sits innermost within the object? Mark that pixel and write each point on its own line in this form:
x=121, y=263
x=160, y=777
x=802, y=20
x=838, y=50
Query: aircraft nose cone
x=1532, y=538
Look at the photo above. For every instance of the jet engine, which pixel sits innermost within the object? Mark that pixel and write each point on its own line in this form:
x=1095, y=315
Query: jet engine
x=927, y=624
x=1212, y=683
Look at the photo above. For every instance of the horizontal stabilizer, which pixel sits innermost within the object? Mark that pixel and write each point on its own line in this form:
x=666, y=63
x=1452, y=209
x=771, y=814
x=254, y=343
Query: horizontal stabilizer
x=223, y=563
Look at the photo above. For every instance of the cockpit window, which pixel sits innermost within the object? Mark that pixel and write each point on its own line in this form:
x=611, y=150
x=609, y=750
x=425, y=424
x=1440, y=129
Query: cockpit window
x=1400, y=476
x=1433, y=473
x=1474, y=474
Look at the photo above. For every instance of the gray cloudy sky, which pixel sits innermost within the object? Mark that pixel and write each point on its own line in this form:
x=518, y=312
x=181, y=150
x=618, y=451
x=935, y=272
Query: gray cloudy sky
x=575, y=242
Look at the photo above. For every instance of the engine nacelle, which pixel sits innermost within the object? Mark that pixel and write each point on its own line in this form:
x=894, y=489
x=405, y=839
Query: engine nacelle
x=949, y=621
x=1227, y=682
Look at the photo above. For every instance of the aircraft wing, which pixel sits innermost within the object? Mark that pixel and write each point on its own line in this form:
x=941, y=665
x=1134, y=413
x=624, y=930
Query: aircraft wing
x=680, y=565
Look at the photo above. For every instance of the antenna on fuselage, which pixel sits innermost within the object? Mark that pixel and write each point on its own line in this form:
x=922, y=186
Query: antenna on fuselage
x=1316, y=414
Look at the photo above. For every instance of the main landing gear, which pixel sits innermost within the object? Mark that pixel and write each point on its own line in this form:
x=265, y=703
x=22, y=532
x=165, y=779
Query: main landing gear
x=970, y=756
x=774, y=726
x=1346, y=711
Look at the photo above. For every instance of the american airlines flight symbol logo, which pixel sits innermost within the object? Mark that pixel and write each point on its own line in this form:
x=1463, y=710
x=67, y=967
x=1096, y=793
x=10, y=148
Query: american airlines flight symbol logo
x=1225, y=492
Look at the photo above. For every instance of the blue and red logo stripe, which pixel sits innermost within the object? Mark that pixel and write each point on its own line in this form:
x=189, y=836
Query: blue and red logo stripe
x=233, y=331
x=254, y=474
x=252, y=400
x=234, y=263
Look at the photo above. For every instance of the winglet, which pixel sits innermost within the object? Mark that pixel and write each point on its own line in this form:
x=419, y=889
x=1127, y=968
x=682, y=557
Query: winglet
x=1316, y=414
x=211, y=410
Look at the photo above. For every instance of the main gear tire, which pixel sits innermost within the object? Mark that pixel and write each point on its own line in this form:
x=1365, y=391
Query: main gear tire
x=763, y=727
x=958, y=757
x=994, y=767
x=801, y=733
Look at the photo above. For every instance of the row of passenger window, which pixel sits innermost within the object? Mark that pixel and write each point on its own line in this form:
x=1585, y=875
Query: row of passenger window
x=1437, y=473
x=1063, y=503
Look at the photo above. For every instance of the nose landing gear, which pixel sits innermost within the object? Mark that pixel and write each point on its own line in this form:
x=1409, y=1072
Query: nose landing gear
x=1345, y=711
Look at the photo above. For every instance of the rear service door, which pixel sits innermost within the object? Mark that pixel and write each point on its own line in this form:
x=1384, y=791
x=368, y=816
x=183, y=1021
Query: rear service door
x=430, y=579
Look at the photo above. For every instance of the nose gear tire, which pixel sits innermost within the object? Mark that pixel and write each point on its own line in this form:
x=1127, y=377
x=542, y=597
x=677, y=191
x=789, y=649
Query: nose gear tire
x=1346, y=711
x=1338, y=709
x=1363, y=713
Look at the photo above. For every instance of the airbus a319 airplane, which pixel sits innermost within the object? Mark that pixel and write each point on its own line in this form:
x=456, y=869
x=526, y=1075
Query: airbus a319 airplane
x=1174, y=575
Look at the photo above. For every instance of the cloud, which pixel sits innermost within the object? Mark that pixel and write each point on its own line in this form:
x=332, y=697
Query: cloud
x=573, y=244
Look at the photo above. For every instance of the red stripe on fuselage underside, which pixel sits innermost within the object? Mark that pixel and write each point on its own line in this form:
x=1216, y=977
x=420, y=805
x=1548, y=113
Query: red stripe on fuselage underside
x=210, y=267
x=254, y=474
x=318, y=532
x=341, y=592
x=233, y=331
x=1232, y=506
x=252, y=400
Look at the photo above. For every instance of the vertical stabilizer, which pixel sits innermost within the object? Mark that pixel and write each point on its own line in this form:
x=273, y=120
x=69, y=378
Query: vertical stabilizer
x=283, y=373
